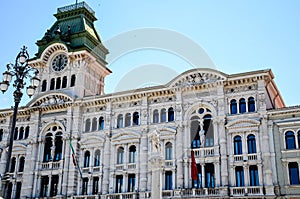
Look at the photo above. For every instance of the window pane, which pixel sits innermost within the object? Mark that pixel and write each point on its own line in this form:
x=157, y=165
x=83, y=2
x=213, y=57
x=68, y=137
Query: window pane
x=293, y=173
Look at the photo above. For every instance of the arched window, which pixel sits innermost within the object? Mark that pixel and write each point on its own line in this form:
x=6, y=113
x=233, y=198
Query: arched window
x=127, y=119
x=21, y=133
x=238, y=145
x=253, y=171
x=163, y=115
x=1, y=135
x=64, y=82
x=155, y=116
x=239, y=176
x=73, y=80
x=233, y=106
x=168, y=151
x=209, y=131
x=87, y=125
x=58, y=83
x=21, y=164
x=27, y=129
x=132, y=154
x=87, y=157
x=16, y=133
x=120, y=121
x=135, y=118
x=44, y=85
x=58, y=146
x=94, y=124
x=47, y=148
x=242, y=105
x=290, y=140
x=195, y=128
x=251, y=144
x=97, y=158
x=294, y=173
x=101, y=123
x=12, y=164
x=170, y=114
x=120, y=155
x=251, y=104
x=52, y=84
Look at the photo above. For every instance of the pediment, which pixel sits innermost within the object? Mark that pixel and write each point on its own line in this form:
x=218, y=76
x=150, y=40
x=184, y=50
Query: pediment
x=55, y=98
x=19, y=148
x=94, y=140
x=243, y=123
x=125, y=136
x=198, y=76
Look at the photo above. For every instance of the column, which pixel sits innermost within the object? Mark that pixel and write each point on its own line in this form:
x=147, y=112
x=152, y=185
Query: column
x=49, y=185
x=156, y=164
x=179, y=162
x=143, y=161
x=260, y=174
x=217, y=174
x=203, y=175
x=246, y=175
x=106, y=166
x=187, y=182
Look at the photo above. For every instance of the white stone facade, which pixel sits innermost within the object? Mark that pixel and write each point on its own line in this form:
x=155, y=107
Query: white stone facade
x=241, y=152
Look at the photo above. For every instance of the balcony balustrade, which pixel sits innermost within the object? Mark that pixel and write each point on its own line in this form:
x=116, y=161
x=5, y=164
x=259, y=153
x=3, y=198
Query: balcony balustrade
x=206, y=151
x=51, y=165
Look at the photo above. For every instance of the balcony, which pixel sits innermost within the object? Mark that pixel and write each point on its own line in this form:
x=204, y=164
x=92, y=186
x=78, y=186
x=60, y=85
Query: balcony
x=169, y=163
x=206, y=151
x=92, y=169
x=51, y=165
x=245, y=157
x=246, y=191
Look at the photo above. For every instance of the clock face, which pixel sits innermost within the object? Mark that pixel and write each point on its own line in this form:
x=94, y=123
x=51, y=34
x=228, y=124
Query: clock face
x=59, y=62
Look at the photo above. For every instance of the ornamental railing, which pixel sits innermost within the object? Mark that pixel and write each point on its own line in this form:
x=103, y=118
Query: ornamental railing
x=76, y=6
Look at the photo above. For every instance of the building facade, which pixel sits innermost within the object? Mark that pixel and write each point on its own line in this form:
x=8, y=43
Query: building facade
x=73, y=141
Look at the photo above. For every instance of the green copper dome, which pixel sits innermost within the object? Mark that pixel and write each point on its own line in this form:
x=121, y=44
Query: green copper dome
x=75, y=28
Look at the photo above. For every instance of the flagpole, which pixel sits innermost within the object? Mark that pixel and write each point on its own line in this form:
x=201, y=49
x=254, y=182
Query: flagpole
x=75, y=159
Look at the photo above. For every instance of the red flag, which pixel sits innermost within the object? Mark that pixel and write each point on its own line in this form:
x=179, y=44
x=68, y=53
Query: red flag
x=194, y=171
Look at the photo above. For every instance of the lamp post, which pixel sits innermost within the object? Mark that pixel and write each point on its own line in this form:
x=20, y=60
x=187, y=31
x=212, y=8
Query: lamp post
x=20, y=71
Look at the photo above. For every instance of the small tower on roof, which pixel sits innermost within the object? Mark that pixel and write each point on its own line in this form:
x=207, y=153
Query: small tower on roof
x=71, y=56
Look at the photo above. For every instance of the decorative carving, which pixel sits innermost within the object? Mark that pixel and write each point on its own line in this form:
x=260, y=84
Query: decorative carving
x=156, y=143
x=196, y=78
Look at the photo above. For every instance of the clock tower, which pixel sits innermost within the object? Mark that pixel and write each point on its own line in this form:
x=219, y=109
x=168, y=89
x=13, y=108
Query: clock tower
x=71, y=56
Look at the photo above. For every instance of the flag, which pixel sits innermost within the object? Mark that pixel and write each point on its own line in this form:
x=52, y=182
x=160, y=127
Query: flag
x=194, y=171
x=74, y=158
x=73, y=153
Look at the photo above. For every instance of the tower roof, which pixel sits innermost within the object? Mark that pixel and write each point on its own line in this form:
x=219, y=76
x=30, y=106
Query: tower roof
x=74, y=27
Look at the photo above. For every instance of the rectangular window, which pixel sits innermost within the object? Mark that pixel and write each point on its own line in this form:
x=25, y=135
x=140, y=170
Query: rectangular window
x=18, y=190
x=54, y=185
x=44, y=186
x=95, y=185
x=239, y=176
x=119, y=183
x=85, y=182
x=209, y=175
x=198, y=183
x=131, y=182
x=294, y=173
x=168, y=180
x=253, y=176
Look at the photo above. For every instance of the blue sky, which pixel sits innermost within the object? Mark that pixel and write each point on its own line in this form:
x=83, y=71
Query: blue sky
x=238, y=35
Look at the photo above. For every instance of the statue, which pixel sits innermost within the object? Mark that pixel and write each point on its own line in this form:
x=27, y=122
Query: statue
x=155, y=142
x=201, y=133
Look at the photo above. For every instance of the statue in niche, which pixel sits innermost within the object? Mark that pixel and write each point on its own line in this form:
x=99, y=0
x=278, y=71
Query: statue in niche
x=156, y=141
x=202, y=133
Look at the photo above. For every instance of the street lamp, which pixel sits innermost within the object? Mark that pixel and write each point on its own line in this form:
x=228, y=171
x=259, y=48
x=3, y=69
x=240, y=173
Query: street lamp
x=21, y=71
